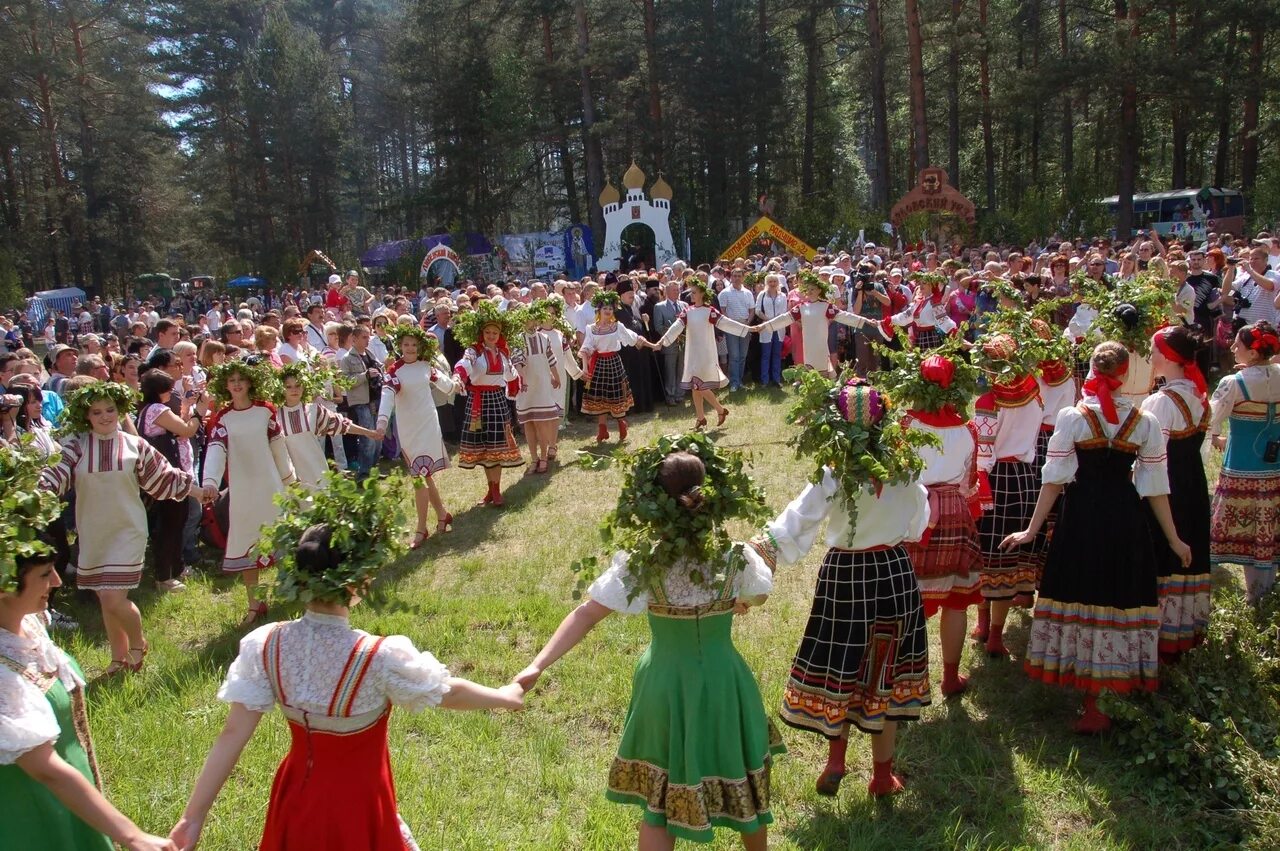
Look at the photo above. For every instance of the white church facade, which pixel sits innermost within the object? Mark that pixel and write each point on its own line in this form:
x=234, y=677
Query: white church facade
x=654, y=212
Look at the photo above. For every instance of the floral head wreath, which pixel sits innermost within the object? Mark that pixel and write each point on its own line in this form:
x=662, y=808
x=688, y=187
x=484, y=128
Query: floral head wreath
x=264, y=383
x=317, y=377
x=1036, y=340
x=1133, y=310
x=656, y=531
x=934, y=279
x=366, y=518
x=75, y=418
x=606, y=298
x=693, y=282
x=849, y=427
x=807, y=278
x=932, y=380
x=26, y=509
x=428, y=345
x=469, y=327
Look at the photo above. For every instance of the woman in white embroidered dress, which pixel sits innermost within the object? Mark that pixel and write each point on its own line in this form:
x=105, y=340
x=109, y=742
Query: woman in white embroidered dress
x=335, y=685
x=304, y=422
x=107, y=468
x=246, y=445
x=538, y=400
x=815, y=317
x=410, y=393
x=561, y=337
x=702, y=375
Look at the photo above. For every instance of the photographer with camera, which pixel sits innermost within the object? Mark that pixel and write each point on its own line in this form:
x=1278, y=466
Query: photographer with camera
x=1250, y=288
x=866, y=298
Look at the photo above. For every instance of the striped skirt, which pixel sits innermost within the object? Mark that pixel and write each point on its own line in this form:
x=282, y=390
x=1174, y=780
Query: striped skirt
x=948, y=561
x=1014, y=490
x=492, y=444
x=864, y=657
x=608, y=392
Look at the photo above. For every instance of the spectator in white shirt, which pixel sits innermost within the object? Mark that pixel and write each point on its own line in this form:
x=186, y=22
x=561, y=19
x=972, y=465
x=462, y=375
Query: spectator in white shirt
x=771, y=302
x=737, y=303
x=1252, y=289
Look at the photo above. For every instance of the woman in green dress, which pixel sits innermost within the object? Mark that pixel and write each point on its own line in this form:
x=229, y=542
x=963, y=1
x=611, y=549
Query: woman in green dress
x=696, y=746
x=49, y=789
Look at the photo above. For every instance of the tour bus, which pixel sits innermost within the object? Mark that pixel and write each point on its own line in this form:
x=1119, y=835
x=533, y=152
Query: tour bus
x=1188, y=214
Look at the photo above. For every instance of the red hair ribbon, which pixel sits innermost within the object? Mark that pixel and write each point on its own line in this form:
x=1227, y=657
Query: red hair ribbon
x=1260, y=341
x=1102, y=386
x=1189, y=366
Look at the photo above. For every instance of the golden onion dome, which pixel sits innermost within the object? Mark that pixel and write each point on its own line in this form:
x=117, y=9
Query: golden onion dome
x=609, y=195
x=634, y=178
x=661, y=189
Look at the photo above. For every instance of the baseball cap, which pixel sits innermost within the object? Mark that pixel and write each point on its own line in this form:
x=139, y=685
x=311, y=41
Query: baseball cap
x=867, y=245
x=335, y=279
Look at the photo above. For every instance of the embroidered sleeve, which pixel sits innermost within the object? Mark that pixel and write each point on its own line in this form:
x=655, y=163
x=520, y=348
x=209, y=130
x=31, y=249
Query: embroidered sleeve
x=26, y=718
x=387, y=406
x=159, y=478
x=1164, y=410
x=612, y=587
x=1151, y=471
x=412, y=678
x=247, y=682
x=782, y=320
x=904, y=317
x=58, y=477
x=986, y=423
x=796, y=528
x=942, y=320
x=1224, y=400
x=1060, y=459
x=673, y=333
x=731, y=326
x=215, y=456
x=626, y=336
x=329, y=422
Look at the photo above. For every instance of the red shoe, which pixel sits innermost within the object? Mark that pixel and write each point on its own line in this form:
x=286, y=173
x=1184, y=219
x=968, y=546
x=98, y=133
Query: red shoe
x=497, y=502
x=829, y=782
x=983, y=626
x=488, y=496
x=995, y=644
x=1093, y=720
x=879, y=787
x=700, y=423
x=602, y=433
x=951, y=688
x=622, y=430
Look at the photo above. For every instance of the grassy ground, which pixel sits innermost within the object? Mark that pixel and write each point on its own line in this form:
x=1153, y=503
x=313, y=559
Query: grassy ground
x=996, y=769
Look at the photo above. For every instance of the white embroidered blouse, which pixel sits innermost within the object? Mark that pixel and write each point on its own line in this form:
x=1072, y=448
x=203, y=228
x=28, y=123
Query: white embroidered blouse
x=26, y=718
x=611, y=588
x=1150, y=470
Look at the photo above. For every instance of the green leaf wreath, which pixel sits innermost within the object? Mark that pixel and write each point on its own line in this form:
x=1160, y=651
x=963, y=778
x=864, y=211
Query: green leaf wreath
x=806, y=278
x=656, y=531
x=26, y=509
x=428, y=345
x=694, y=282
x=468, y=328
x=905, y=383
x=319, y=378
x=858, y=456
x=263, y=379
x=555, y=305
x=1153, y=302
x=75, y=417
x=368, y=519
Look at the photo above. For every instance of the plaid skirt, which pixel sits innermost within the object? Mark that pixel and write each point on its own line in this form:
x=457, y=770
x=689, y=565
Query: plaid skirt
x=864, y=657
x=927, y=338
x=948, y=561
x=1014, y=490
x=492, y=444
x=608, y=392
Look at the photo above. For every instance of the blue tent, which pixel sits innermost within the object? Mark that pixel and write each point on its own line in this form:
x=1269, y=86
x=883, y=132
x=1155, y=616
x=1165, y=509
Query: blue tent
x=45, y=300
x=247, y=281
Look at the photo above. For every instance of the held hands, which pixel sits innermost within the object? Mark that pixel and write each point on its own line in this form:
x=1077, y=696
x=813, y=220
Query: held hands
x=186, y=833
x=146, y=842
x=514, y=693
x=1219, y=442
x=381, y=432
x=528, y=678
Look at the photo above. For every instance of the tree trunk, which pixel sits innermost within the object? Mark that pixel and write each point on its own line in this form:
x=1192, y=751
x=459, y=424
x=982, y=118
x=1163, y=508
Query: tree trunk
x=89, y=158
x=984, y=86
x=915, y=70
x=1127, y=154
x=590, y=142
x=1178, y=115
x=763, y=117
x=558, y=122
x=953, y=95
x=1037, y=109
x=879, y=110
x=808, y=32
x=654, y=130
x=1222, y=157
x=1249, y=112
x=1068, y=124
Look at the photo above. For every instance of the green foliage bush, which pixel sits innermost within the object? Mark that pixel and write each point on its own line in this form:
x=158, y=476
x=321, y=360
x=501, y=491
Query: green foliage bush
x=1211, y=735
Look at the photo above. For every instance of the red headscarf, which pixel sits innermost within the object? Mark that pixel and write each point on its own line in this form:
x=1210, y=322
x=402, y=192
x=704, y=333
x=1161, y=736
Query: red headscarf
x=1102, y=386
x=1189, y=366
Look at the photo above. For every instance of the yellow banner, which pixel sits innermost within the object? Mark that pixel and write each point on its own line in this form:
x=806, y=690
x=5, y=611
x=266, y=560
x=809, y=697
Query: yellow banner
x=766, y=226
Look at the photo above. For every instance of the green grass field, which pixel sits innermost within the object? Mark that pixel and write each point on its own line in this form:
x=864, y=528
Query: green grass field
x=996, y=769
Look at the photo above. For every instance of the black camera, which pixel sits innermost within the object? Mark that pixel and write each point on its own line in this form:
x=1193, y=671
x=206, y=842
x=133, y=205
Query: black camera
x=1243, y=303
x=867, y=285
x=10, y=402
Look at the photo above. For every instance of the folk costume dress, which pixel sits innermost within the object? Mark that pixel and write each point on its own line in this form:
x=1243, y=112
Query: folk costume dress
x=248, y=448
x=304, y=427
x=606, y=389
x=1245, y=528
x=701, y=365
x=947, y=559
x=1008, y=423
x=42, y=702
x=111, y=521
x=1057, y=391
x=815, y=318
x=1184, y=592
x=1097, y=621
x=537, y=400
x=566, y=363
x=864, y=657
x=411, y=393
x=697, y=748
x=489, y=380
x=335, y=685
x=927, y=319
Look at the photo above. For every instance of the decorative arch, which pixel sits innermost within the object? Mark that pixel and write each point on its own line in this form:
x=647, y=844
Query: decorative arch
x=636, y=208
